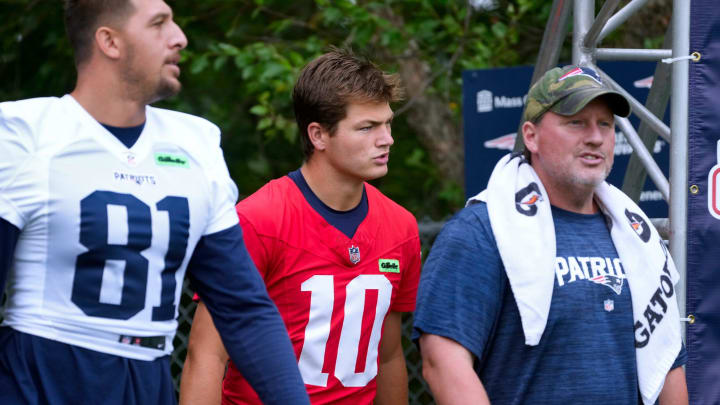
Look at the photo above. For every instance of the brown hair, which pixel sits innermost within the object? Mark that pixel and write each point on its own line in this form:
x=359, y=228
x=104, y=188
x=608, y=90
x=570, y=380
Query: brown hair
x=333, y=80
x=83, y=17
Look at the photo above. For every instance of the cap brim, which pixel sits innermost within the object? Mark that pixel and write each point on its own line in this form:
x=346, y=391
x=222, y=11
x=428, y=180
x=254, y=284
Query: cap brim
x=575, y=102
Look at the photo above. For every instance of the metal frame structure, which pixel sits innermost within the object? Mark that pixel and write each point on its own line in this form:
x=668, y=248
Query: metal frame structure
x=588, y=31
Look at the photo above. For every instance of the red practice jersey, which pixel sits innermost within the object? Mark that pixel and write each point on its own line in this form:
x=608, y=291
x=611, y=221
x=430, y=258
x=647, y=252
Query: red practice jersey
x=332, y=291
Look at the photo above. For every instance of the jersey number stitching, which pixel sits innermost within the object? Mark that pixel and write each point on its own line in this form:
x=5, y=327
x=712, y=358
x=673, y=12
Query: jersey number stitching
x=317, y=330
x=90, y=266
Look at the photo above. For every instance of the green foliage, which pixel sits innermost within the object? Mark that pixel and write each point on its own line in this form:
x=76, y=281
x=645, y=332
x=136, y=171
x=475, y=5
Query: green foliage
x=244, y=55
x=653, y=42
x=35, y=55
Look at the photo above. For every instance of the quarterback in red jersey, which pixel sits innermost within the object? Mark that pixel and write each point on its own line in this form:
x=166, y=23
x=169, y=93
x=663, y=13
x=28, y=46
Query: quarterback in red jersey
x=340, y=260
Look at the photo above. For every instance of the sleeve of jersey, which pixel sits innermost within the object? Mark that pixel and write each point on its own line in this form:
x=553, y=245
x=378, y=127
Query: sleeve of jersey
x=18, y=188
x=249, y=324
x=405, y=300
x=8, y=238
x=460, y=292
x=224, y=193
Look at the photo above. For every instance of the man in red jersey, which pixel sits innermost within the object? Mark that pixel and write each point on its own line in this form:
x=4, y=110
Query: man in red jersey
x=340, y=260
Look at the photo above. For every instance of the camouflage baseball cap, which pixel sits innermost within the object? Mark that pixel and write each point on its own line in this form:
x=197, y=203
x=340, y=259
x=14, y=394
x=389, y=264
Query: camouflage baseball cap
x=568, y=90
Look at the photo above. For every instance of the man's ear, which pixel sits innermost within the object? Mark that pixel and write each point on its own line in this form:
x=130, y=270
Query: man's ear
x=318, y=135
x=530, y=136
x=108, y=42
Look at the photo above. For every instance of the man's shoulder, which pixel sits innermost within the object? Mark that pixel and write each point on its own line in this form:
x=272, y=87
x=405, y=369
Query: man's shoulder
x=27, y=106
x=178, y=115
x=474, y=213
x=197, y=136
x=27, y=112
x=24, y=122
x=383, y=206
x=267, y=207
x=184, y=123
x=471, y=223
x=273, y=194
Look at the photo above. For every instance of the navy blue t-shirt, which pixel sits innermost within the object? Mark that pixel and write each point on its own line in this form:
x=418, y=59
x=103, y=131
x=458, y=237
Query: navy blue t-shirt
x=346, y=222
x=586, y=354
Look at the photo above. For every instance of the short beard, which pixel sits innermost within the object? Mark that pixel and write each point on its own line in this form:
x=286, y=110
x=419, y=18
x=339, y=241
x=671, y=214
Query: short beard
x=590, y=183
x=163, y=90
x=139, y=88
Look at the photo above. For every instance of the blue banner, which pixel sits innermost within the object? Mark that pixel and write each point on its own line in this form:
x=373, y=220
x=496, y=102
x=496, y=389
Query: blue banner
x=492, y=105
x=703, y=258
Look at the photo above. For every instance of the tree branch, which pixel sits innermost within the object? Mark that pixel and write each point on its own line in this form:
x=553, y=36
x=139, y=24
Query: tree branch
x=447, y=68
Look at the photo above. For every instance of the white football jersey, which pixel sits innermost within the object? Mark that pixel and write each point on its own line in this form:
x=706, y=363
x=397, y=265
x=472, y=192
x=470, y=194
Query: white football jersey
x=107, y=231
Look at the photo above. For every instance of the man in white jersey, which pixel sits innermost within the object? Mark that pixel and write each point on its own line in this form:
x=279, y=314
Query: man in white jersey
x=104, y=203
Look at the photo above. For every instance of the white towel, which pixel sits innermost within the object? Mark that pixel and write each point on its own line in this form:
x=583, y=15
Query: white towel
x=521, y=221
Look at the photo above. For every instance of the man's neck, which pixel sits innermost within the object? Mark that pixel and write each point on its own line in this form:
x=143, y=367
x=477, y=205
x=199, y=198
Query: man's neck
x=107, y=102
x=573, y=200
x=335, y=190
x=578, y=198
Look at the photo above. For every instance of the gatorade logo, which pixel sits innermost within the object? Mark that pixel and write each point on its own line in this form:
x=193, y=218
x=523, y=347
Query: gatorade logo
x=638, y=225
x=526, y=199
x=389, y=265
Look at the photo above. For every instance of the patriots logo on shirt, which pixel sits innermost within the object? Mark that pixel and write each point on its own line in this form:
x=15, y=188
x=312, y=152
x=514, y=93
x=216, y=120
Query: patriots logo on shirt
x=354, y=252
x=613, y=282
x=581, y=71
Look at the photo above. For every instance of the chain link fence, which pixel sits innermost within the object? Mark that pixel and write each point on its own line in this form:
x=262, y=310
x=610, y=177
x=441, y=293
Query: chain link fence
x=419, y=392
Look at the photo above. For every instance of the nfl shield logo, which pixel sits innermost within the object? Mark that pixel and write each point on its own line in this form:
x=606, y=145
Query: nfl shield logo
x=131, y=159
x=354, y=252
x=609, y=305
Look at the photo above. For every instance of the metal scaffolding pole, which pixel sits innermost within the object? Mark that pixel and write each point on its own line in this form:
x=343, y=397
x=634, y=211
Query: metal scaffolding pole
x=656, y=102
x=621, y=16
x=645, y=156
x=652, y=55
x=583, y=13
x=679, y=146
x=639, y=109
x=553, y=38
x=590, y=40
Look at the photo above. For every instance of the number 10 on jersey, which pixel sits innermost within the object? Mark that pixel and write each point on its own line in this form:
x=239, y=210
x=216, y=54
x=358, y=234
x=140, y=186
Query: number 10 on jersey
x=317, y=330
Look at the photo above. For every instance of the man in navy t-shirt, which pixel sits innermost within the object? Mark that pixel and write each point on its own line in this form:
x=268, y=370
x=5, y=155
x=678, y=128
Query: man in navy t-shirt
x=469, y=327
